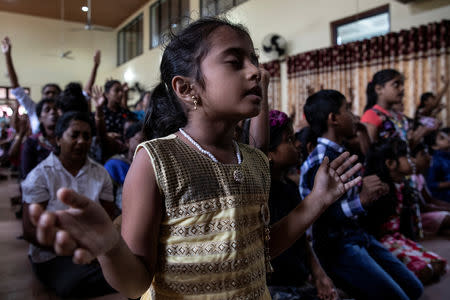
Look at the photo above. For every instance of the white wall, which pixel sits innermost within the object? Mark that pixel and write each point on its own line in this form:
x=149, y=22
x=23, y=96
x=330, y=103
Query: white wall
x=305, y=24
x=35, y=39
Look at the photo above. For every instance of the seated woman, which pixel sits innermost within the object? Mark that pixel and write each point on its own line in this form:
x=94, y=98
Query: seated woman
x=293, y=268
x=392, y=218
x=69, y=167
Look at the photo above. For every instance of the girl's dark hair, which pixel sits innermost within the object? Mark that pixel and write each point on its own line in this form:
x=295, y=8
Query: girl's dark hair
x=276, y=134
x=163, y=115
x=391, y=148
x=306, y=136
x=319, y=105
x=64, y=121
x=52, y=85
x=110, y=83
x=380, y=78
x=72, y=99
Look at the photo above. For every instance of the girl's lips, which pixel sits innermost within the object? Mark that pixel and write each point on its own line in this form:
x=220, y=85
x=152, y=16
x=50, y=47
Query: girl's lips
x=256, y=90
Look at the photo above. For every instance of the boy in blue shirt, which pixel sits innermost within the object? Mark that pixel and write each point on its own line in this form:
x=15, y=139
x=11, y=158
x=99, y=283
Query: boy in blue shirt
x=438, y=178
x=353, y=258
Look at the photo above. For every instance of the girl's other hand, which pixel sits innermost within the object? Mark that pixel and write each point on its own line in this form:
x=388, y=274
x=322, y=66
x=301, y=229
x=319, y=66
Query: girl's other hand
x=333, y=179
x=84, y=230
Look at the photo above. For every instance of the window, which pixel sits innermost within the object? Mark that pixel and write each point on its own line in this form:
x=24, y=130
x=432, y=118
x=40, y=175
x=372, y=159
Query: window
x=166, y=15
x=6, y=93
x=362, y=26
x=209, y=8
x=129, y=40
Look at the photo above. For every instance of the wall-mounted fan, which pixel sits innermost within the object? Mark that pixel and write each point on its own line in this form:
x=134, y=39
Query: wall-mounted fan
x=274, y=45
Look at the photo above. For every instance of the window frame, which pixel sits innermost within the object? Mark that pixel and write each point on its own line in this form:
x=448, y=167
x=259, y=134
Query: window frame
x=121, y=47
x=363, y=15
x=158, y=9
x=216, y=7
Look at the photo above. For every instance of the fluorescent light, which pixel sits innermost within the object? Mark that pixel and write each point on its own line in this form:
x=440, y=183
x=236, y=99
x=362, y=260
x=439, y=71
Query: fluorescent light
x=85, y=8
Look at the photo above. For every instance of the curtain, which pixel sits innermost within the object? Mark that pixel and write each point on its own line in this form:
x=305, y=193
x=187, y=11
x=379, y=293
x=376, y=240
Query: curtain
x=422, y=54
x=274, y=93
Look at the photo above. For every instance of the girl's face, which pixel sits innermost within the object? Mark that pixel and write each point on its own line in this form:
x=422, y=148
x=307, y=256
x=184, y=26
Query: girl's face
x=423, y=161
x=75, y=141
x=286, y=154
x=231, y=77
x=49, y=115
x=392, y=91
x=115, y=93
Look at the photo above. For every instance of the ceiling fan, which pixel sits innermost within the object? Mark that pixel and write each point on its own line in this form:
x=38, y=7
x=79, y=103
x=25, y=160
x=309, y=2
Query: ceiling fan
x=62, y=55
x=89, y=25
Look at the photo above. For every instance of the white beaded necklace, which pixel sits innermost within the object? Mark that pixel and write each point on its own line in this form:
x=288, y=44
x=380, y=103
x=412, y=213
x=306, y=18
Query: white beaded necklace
x=209, y=154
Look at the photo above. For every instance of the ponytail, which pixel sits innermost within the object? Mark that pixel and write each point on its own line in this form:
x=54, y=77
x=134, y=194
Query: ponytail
x=164, y=114
x=371, y=96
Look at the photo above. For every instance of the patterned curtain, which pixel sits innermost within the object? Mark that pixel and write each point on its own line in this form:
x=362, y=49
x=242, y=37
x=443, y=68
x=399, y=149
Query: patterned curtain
x=274, y=93
x=421, y=54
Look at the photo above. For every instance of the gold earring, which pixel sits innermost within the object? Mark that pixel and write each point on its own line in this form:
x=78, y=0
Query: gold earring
x=195, y=102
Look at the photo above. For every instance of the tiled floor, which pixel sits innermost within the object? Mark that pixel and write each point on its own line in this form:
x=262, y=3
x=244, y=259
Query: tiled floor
x=18, y=282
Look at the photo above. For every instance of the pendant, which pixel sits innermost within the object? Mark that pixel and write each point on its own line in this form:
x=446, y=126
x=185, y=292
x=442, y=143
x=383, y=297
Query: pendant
x=238, y=176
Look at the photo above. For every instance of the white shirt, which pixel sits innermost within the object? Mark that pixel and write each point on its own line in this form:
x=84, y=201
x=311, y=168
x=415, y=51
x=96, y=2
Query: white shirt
x=42, y=183
x=29, y=105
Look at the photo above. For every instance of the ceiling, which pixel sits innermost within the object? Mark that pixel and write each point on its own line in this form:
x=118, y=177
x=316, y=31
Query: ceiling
x=104, y=12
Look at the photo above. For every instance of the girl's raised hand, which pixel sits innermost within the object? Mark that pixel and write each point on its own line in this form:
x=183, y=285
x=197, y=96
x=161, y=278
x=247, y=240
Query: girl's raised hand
x=97, y=96
x=333, y=179
x=84, y=230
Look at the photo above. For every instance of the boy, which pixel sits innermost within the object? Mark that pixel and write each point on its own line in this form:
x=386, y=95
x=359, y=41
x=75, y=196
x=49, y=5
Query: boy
x=351, y=256
x=438, y=178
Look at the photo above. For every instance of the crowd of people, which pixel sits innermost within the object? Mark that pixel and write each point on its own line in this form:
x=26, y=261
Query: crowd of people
x=200, y=190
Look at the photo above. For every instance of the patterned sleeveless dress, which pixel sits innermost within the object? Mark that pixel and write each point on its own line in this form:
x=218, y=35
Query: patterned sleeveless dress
x=211, y=243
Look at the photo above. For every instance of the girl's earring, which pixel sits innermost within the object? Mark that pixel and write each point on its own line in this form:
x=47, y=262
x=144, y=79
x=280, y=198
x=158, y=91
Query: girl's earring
x=195, y=102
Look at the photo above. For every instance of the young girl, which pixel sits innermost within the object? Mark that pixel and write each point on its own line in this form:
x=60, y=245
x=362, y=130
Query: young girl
x=385, y=90
x=292, y=268
x=115, y=114
x=393, y=216
x=195, y=216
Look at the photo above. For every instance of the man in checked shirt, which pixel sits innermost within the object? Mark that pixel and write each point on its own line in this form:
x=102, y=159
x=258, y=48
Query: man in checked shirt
x=354, y=259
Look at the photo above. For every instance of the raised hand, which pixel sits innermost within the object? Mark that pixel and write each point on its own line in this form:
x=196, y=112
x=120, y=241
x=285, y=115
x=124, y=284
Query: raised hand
x=97, y=57
x=84, y=230
x=333, y=179
x=6, y=45
x=97, y=96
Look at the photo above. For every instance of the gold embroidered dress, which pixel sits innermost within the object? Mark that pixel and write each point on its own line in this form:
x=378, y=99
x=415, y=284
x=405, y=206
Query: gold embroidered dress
x=211, y=236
